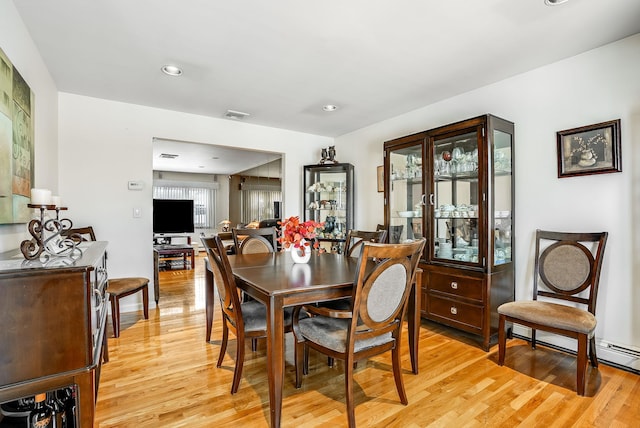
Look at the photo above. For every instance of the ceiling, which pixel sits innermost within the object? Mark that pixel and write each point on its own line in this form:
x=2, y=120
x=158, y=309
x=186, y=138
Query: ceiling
x=282, y=60
x=207, y=159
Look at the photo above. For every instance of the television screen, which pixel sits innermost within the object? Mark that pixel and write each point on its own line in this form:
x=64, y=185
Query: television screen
x=172, y=216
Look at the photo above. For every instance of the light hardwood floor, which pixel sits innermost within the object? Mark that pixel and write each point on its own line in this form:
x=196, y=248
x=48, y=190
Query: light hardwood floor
x=162, y=373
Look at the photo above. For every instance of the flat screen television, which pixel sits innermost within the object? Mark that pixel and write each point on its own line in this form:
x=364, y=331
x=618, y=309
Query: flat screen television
x=172, y=216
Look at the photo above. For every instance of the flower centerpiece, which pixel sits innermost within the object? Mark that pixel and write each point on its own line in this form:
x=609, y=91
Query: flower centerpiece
x=298, y=235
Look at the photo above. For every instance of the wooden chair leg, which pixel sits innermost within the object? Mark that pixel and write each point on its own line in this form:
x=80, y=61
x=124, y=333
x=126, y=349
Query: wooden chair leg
x=582, y=364
x=397, y=374
x=237, y=372
x=223, y=344
x=115, y=315
x=533, y=338
x=299, y=361
x=502, y=340
x=348, y=383
x=145, y=301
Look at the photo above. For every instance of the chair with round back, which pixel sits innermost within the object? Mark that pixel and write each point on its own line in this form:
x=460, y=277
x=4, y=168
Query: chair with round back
x=246, y=320
x=566, y=268
x=269, y=233
x=381, y=289
x=355, y=239
x=254, y=245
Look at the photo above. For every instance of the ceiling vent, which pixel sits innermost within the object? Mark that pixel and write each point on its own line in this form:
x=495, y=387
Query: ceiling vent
x=168, y=156
x=235, y=115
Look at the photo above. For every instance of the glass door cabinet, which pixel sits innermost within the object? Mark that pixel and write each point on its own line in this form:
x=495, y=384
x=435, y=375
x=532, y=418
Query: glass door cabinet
x=455, y=186
x=328, y=198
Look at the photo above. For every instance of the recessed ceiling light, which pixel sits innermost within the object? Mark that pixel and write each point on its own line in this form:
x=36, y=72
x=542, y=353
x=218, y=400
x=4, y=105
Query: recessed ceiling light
x=554, y=2
x=330, y=107
x=172, y=70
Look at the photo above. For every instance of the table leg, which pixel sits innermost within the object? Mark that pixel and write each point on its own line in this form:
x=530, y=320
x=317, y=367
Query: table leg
x=209, y=296
x=275, y=358
x=193, y=260
x=413, y=319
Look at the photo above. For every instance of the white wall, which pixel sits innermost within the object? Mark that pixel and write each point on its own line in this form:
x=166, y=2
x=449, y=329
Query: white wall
x=596, y=86
x=17, y=44
x=105, y=144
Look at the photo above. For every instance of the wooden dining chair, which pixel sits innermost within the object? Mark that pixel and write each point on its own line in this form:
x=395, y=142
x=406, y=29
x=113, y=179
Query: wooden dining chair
x=116, y=287
x=269, y=233
x=374, y=322
x=567, y=268
x=246, y=320
x=255, y=245
x=355, y=239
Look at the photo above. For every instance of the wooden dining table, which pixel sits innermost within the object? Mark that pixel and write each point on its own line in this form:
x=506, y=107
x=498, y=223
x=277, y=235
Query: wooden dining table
x=275, y=280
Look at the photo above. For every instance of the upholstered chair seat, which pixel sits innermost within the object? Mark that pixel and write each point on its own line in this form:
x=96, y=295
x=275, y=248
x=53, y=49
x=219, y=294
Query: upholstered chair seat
x=551, y=314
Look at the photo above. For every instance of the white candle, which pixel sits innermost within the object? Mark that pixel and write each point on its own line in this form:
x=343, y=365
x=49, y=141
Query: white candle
x=56, y=200
x=40, y=196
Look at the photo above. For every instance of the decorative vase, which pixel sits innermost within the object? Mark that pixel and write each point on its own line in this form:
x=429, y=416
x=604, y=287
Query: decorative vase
x=296, y=253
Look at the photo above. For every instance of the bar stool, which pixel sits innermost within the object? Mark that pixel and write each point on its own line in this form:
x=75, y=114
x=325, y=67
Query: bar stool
x=122, y=287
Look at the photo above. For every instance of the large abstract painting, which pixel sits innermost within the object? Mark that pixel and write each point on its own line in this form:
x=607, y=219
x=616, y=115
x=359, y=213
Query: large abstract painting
x=16, y=144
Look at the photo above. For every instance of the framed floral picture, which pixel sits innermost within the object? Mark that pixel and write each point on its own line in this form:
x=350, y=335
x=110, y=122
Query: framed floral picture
x=593, y=149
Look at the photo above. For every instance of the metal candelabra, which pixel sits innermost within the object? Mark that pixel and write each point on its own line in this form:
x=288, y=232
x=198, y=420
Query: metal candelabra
x=47, y=239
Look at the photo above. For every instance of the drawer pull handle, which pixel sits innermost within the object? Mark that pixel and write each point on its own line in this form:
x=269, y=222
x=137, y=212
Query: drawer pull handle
x=454, y=310
x=454, y=285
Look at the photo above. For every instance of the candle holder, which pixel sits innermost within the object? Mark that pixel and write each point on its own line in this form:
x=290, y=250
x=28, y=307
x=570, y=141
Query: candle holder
x=47, y=236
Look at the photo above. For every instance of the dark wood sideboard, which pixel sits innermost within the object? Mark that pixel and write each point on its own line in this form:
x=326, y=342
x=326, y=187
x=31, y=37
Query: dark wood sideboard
x=52, y=326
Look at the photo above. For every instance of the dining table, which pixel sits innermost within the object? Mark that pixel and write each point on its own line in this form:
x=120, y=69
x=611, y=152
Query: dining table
x=275, y=280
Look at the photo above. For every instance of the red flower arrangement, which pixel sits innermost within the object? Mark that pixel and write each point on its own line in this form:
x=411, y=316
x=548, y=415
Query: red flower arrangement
x=293, y=232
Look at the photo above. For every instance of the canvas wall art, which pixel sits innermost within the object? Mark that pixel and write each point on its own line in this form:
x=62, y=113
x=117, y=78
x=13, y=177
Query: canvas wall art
x=16, y=144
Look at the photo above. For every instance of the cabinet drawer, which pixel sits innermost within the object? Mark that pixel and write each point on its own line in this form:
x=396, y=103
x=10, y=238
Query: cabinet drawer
x=459, y=286
x=466, y=316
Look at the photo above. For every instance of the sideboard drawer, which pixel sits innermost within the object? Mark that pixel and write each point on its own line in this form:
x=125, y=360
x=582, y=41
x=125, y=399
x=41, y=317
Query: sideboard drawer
x=464, y=315
x=470, y=288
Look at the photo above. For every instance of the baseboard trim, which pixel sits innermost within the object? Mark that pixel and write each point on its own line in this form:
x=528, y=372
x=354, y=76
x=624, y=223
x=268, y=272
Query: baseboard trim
x=605, y=355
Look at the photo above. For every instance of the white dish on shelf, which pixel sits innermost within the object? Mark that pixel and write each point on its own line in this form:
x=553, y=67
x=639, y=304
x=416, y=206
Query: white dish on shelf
x=406, y=214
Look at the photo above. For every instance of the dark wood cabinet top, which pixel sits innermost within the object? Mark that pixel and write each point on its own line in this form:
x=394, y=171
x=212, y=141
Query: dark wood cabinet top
x=13, y=263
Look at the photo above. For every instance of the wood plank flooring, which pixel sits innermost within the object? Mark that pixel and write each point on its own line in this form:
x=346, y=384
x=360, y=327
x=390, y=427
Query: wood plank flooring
x=162, y=373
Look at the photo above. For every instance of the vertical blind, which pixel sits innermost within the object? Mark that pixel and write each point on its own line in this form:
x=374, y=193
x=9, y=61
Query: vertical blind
x=258, y=204
x=203, y=202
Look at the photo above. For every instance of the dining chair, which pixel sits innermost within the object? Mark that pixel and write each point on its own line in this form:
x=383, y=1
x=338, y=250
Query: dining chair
x=373, y=324
x=381, y=227
x=254, y=245
x=116, y=287
x=355, y=239
x=269, y=233
x=246, y=320
x=566, y=268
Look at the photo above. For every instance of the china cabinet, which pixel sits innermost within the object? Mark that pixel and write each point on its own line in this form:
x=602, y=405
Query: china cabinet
x=328, y=198
x=455, y=185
